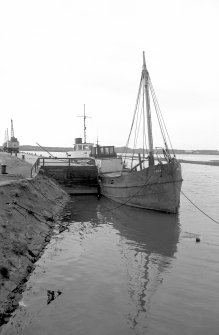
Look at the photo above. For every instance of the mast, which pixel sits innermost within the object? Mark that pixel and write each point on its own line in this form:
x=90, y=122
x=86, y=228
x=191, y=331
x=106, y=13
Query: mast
x=145, y=78
x=84, y=117
x=84, y=125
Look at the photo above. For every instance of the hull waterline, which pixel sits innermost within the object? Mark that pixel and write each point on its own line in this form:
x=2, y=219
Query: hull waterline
x=156, y=188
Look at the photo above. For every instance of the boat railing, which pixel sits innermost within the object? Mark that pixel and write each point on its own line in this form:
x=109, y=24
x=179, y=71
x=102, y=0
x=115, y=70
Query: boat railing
x=35, y=167
x=55, y=161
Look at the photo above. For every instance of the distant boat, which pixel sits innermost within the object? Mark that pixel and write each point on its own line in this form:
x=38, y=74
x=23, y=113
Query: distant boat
x=77, y=173
x=143, y=184
x=81, y=149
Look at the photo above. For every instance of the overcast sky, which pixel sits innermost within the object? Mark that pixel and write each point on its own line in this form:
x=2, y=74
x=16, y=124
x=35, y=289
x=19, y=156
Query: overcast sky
x=56, y=56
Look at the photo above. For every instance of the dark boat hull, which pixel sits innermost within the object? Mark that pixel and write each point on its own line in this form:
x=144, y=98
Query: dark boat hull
x=157, y=187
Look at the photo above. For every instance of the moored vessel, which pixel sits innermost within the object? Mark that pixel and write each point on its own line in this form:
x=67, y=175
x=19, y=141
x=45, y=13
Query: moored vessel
x=76, y=173
x=144, y=183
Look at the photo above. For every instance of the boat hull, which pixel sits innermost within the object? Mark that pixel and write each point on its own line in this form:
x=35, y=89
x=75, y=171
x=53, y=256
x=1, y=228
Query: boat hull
x=157, y=187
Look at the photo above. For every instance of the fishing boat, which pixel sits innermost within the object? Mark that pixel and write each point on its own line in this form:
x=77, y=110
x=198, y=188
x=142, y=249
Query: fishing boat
x=151, y=179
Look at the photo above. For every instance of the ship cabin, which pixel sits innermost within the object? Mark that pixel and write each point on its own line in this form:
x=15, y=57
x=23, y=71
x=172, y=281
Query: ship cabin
x=103, y=152
x=83, y=147
x=80, y=149
x=106, y=159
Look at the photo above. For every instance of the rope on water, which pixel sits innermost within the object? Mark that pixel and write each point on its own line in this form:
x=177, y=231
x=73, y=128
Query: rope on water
x=199, y=208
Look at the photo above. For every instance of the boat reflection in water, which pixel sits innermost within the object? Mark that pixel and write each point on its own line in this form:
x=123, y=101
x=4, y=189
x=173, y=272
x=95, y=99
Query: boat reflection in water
x=146, y=242
x=108, y=261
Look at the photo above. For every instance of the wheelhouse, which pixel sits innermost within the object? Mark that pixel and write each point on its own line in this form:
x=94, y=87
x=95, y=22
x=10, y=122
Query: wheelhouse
x=82, y=147
x=103, y=151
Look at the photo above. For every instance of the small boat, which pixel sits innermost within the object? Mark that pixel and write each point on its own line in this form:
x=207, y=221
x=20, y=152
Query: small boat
x=137, y=180
x=77, y=173
x=81, y=150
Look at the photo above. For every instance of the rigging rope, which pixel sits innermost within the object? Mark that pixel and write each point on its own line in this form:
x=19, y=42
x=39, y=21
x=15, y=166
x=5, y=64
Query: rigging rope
x=157, y=110
x=138, y=117
x=136, y=106
x=134, y=194
x=160, y=113
x=145, y=184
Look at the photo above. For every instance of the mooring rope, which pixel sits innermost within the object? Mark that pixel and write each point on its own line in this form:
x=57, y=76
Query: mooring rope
x=198, y=208
x=134, y=194
x=145, y=184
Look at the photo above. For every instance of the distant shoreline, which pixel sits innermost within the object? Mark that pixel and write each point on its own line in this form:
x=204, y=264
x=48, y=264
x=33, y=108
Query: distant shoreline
x=118, y=150
x=212, y=163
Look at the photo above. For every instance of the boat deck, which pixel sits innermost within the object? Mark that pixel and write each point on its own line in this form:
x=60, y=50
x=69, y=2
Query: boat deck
x=75, y=176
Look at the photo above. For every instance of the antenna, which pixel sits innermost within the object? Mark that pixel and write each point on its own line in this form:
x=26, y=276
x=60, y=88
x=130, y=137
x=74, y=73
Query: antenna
x=85, y=117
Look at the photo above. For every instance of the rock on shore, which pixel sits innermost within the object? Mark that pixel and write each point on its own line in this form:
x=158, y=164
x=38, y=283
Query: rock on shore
x=29, y=209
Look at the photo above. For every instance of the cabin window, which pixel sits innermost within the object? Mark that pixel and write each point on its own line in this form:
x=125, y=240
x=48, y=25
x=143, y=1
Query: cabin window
x=107, y=151
x=79, y=147
x=93, y=150
x=86, y=147
x=111, y=150
x=102, y=151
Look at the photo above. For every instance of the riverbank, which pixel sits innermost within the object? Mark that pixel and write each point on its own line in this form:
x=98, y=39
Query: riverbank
x=29, y=210
x=212, y=163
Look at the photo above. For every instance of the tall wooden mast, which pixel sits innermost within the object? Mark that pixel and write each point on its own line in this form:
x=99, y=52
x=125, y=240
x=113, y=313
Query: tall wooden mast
x=145, y=78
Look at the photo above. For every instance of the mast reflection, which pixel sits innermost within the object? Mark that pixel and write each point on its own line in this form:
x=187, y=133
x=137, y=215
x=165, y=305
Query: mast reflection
x=148, y=242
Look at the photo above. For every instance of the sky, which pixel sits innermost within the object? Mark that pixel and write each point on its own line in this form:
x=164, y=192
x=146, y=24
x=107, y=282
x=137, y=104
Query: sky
x=57, y=55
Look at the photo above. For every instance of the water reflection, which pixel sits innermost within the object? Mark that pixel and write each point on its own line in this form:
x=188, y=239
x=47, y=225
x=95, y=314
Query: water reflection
x=147, y=244
x=103, y=266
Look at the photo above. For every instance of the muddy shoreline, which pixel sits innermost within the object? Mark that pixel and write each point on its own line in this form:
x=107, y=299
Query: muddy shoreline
x=30, y=208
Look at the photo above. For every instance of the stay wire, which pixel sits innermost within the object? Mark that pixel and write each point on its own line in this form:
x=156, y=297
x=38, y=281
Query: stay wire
x=152, y=89
x=136, y=106
x=145, y=184
x=158, y=114
x=138, y=124
x=199, y=208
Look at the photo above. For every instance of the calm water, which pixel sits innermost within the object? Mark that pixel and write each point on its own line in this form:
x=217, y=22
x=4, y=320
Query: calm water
x=120, y=270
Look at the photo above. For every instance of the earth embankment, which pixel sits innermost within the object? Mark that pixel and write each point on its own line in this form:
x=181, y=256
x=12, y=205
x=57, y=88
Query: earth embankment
x=29, y=209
